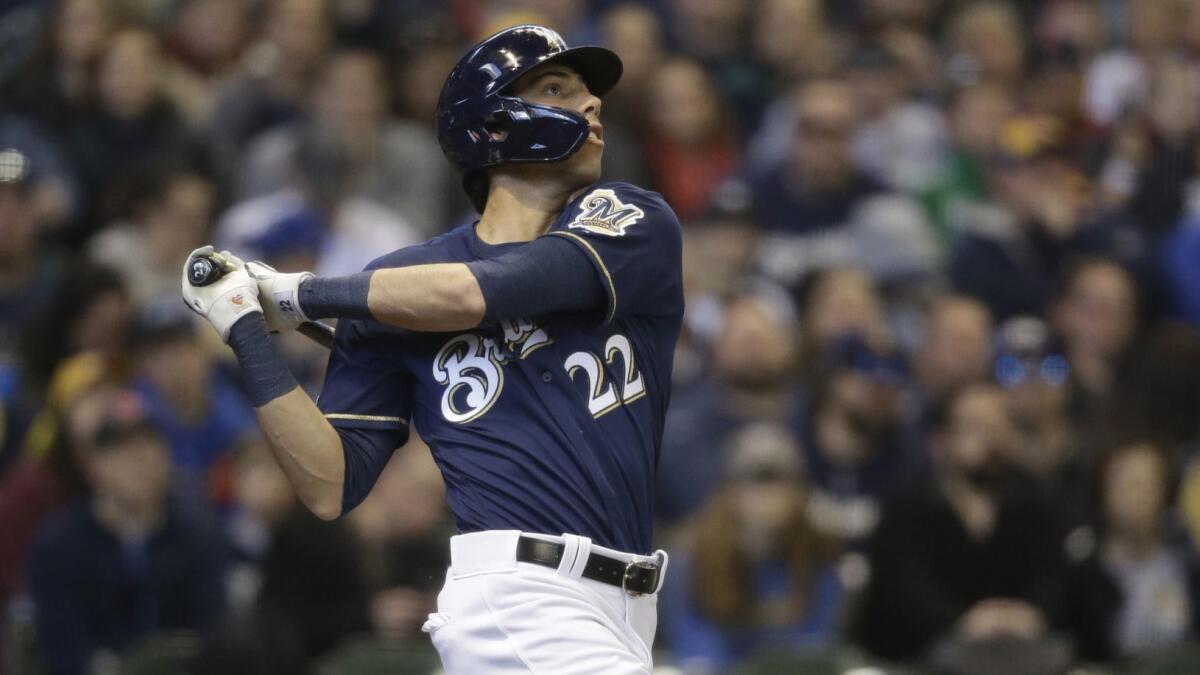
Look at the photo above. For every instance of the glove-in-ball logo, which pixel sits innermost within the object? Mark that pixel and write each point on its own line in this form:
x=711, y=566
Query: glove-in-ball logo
x=601, y=212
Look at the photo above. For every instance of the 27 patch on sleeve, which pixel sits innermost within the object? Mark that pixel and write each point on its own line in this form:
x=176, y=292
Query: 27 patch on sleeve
x=602, y=212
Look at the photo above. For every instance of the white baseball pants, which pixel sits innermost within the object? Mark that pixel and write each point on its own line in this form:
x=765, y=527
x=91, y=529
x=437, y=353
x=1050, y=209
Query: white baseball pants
x=499, y=616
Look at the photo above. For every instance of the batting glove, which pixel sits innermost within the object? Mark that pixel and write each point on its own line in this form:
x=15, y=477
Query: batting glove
x=279, y=293
x=223, y=302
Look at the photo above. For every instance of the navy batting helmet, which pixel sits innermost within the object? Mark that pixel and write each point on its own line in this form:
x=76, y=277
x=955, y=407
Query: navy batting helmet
x=480, y=124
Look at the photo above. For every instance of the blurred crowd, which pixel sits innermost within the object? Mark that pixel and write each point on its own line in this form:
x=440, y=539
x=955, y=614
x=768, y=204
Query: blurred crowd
x=937, y=400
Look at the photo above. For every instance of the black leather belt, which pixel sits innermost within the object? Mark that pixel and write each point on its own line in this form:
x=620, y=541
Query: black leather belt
x=635, y=578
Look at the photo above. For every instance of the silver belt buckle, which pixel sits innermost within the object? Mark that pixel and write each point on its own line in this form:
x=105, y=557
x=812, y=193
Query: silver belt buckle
x=629, y=567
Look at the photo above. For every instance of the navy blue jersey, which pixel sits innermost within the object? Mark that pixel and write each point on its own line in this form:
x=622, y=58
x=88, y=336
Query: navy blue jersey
x=544, y=424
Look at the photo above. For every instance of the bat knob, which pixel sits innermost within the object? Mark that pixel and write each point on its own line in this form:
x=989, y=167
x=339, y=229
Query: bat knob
x=203, y=271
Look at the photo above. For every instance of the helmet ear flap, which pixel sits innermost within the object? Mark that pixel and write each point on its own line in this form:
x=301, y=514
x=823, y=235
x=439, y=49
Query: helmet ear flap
x=516, y=132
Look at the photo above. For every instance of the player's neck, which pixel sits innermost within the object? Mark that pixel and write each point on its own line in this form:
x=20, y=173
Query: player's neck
x=520, y=210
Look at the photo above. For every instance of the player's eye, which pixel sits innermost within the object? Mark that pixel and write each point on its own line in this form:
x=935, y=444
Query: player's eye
x=554, y=89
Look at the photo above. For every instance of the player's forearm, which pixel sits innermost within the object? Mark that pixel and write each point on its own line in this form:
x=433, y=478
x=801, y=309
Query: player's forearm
x=304, y=443
x=549, y=274
x=437, y=297
x=308, y=449
x=440, y=297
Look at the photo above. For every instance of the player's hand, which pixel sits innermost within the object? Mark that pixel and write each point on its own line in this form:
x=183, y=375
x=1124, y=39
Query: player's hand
x=223, y=302
x=278, y=292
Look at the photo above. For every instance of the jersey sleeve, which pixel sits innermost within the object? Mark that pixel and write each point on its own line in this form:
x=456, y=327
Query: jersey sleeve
x=634, y=242
x=368, y=400
x=365, y=388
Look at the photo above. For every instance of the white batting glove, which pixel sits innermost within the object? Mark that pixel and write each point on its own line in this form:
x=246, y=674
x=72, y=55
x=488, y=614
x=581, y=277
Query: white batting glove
x=224, y=302
x=278, y=292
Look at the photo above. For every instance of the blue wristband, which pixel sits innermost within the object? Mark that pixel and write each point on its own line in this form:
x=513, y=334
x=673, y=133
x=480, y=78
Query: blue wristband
x=263, y=370
x=336, y=297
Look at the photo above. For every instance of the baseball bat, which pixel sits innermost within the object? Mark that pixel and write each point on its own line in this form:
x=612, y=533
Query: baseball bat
x=206, y=269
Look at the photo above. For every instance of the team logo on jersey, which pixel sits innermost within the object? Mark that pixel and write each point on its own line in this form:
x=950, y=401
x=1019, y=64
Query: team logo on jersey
x=522, y=337
x=602, y=212
x=471, y=366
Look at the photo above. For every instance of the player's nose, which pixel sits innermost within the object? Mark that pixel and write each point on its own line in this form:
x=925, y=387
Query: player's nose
x=591, y=107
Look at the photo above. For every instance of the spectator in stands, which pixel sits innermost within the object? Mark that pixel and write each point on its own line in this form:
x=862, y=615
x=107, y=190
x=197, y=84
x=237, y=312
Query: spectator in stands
x=85, y=315
x=818, y=184
x=752, y=380
x=169, y=214
x=36, y=487
x=955, y=351
x=901, y=140
x=1011, y=249
x=196, y=406
x=634, y=31
x=1172, y=114
x=57, y=84
x=1074, y=25
x=1136, y=489
x=262, y=499
x=752, y=572
x=712, y=33
x=718, y=253
x=130, y=90
x=206, y=39
x=278, y=71
x=1097, y=317
x=124, y=562
x=314, y=584
x=1054, y=87
x=300, y=586
x=969, y=557
x=792, y=40
x=403, y=525
x=394, y=163
x=1178, y=251
x=976, y=114
x=55, y=188
x=838, y=302
x=859, y=440
x=1159, y=390
x=1034, y=374
x=26, y=278
x=316, y=222
x=986, y=43
x=134, y=125
x=690, y=145
x=1119, y=79
x=818, y=209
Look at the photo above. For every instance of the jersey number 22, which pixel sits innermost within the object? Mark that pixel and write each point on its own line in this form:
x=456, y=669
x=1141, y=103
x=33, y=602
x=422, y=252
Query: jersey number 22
x=604, y=396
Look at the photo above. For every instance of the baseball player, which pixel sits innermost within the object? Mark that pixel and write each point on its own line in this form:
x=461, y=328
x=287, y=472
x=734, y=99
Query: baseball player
x=533, y=351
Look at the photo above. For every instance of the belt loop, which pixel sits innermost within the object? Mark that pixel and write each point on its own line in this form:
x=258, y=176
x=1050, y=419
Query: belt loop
x=576, y=550
x=663, y=559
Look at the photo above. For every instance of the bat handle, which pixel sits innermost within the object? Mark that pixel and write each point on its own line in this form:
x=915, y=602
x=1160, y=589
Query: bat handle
x=318, y=332
x=204, y=270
